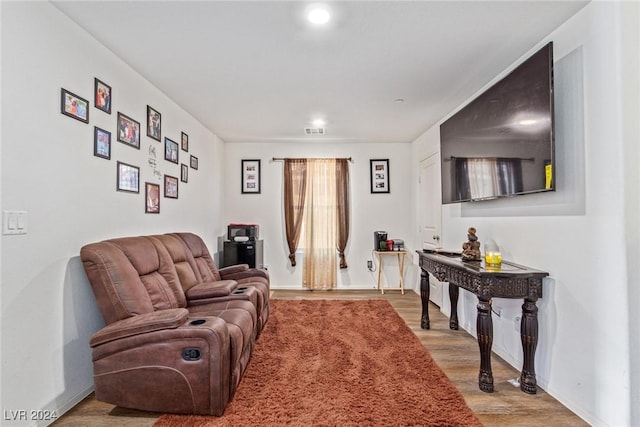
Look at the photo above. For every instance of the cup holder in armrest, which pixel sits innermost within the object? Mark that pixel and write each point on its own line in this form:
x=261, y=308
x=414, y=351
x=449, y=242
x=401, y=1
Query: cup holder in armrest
x=191, y=354
x=197, y=322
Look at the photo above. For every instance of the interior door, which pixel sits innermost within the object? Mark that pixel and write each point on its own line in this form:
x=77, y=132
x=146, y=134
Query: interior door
x=430, y=214
x=429, y=208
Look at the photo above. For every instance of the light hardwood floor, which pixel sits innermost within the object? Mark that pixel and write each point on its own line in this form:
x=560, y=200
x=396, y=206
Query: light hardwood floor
x=456, y=352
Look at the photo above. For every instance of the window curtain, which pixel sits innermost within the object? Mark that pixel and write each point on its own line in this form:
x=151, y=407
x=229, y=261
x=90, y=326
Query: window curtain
x=320, y=225
x=342, y=202
x=295, y=183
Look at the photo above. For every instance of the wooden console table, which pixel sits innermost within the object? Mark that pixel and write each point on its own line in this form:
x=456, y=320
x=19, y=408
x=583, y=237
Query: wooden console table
x=509, y=281
x=400, y=255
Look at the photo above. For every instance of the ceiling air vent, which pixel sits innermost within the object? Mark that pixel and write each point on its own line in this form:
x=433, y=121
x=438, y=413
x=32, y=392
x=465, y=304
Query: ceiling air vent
x=314, y=131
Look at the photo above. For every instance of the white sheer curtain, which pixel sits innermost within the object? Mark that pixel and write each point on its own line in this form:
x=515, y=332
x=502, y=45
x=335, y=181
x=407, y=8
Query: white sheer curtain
x=319, y=269
x=494, y=177
x=483, y=181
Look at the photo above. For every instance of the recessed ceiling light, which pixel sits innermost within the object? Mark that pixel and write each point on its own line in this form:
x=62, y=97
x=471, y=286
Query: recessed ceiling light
x=399, y=100
x=319, y=122
x=318, y=15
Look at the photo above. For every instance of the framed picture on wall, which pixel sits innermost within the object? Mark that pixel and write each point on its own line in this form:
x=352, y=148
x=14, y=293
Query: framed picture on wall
x=185, y=142
x=102, y=96
x=101, y=143
x=194, y=162
x=128, y=178
x=154, y=124
x=152, y=198
x=74, y=106
x=128, y=131
x=184, y=173
x=379, y=171
x=250, y=176
x=170, y=187
x=170, y=150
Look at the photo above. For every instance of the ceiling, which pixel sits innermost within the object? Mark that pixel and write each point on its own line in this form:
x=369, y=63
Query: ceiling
x=256, y=71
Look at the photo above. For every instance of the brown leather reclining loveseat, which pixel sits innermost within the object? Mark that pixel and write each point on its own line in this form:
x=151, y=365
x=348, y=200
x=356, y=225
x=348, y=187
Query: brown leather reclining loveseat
x=175, y=341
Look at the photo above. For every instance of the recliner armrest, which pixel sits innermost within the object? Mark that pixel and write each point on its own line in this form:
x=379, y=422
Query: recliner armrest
x=233, y=269
x=140, y=324
x=220, y=288
x=243, y=274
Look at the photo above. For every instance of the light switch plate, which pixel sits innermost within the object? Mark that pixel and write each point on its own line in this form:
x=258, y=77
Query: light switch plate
x=15, y=222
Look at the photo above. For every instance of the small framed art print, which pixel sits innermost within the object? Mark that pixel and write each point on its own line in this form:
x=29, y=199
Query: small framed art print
x=152, y=199
x=128, y=178
x=101, y=143
x=184, y=173
x=185, y=142
x=74, y=106
x=194, y=162
x=102, y=96
x=170, y=187
x=128, y=131
x=379, y=175
x=154, y=124
x=250, y=176
x=170, y=150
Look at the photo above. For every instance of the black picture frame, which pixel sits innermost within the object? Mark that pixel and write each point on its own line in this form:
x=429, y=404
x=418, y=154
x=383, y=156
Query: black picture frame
x=74, y=106
x=184, y=142
x=379, y=176
x=128, y=178
x=170, y=187
x=102, y=96
x=171, y=150
x=184, y=173
x=193, y=162
x=251, y=176
x=152, y=198
x=101, y=143
x=154, y=124
x=128, y=131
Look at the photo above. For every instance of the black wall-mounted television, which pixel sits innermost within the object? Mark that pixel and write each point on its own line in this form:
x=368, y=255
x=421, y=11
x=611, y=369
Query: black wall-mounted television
x=501, y=144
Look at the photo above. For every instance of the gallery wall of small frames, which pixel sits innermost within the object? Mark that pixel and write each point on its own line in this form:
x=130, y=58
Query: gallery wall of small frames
x=127, y=131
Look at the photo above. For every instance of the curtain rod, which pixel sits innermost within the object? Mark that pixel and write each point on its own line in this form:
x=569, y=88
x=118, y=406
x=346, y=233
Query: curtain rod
x=524, y=159
x=282, y=159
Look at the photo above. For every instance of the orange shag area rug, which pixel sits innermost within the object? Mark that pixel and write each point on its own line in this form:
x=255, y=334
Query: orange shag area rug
x=338, y=363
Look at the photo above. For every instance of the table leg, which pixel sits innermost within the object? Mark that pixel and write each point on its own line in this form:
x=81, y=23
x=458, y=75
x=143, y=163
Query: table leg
x=454, y=291
x=529, y=336
x=401, y=270
x=380, y=274
x=424, y=296
x=484, y=328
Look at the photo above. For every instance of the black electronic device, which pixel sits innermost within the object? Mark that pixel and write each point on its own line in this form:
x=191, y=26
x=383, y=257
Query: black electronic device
x=378, y=238
x=243, y=232
x=501, y=144
x=249, y=252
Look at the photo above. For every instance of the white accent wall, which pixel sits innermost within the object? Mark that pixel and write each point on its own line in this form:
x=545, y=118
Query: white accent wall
x=369, y=212
x=49, y=170
x=587, y=355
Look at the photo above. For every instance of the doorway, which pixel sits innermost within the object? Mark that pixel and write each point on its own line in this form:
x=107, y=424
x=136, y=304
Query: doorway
x=430, y=214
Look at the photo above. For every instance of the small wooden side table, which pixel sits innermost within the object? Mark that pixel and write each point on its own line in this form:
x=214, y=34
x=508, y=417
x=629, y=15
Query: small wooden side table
x=400, y=258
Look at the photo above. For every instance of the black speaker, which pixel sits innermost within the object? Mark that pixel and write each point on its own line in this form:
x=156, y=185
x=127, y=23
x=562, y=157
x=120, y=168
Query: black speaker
x=249, y=252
